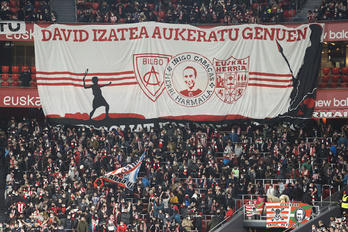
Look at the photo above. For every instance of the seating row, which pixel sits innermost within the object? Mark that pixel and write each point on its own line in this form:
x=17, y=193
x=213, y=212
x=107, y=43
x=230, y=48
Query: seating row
x=15, y=69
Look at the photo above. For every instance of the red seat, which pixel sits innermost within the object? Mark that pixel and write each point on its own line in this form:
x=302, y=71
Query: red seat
x=335, y=78
x=15, y=69
x=33, y=84
x=37, y=4
x=14, y=10
x=325, y=79
x=5, y=83
x=175, y=6
x=326, y=71
x=95, y=6
x=161, y=14
x=5, y=69
x=15, y=83
x=5, y=76
x=15, y=77
x=335, y=71
x=151, y=6
x=333, y=85
x=33, y=69
x=254, y=5
x=344, y=71
x=33, y=77
x=174, y=1
x=343, y=84
x=24, y=67
x=122, y=20
x=344, y=78
x=13, y=3
x=323, y=85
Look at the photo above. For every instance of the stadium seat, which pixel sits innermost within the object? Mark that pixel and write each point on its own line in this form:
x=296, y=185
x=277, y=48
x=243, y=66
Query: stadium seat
x=24, y=67
x=37, y=4
x=5, y=83
x=33, y=84
x=325, y=79
x=174, y=1
x=344, y=71
x=254, y=5
x=5, y=76
x=13, y=3
x=151, y=6
x=161, y=14
x=15, y=77
x=343, y=84
x=95, y=6
x=326, y=71
x=14, y=10
x=323, y=85
x=335, y=71
x=344, y=78
x=33, y=69
x=15, y=69
x=333, y=85
x=175, y=6
x=335, y=78
x=33, y=77
x=122, y=20
x=15, y=83
x=5, y=69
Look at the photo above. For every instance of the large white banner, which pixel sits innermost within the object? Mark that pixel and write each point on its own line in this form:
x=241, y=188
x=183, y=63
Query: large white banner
x=147, y=72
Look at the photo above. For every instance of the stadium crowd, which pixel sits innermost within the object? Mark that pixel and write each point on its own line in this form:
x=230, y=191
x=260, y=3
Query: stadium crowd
x=329, y=10
x=27, y=10
x=190, y=176
x=188, y=11
x=335, y=225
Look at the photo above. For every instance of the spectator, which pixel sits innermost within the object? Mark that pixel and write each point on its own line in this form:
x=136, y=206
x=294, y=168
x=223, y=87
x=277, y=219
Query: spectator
x=25, y=78
x=82, y=226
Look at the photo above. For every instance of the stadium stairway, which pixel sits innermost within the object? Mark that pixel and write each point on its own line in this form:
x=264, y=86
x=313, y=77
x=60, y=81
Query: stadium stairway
x=65, y=9
x=3, y=209
x=302, y=14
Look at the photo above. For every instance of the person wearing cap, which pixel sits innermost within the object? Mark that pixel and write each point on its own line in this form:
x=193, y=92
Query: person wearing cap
x=344, y=202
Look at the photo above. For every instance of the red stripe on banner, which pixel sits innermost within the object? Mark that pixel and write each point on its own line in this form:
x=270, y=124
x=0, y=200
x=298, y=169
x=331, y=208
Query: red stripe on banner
x=81, y=85
x=270, y=74
x=266, y=79
x=88, y=74
x=85, y=116
x=206, y=117
x=270, y=86
x=76, y=79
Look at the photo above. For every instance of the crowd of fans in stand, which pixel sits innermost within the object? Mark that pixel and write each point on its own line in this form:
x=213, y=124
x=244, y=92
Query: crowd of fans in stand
x=329, y=10
x=53, y=175
x=27, y=10
x=186, y=11
x=335, y=225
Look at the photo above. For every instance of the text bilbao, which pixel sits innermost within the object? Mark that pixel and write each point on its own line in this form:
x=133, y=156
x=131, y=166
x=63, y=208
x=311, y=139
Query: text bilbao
x=180, y=34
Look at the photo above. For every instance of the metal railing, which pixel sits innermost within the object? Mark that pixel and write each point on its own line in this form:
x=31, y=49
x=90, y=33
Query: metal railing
x=225, y=220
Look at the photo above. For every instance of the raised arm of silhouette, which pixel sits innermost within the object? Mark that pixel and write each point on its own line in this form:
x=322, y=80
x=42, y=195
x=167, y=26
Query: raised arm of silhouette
x=98, y=99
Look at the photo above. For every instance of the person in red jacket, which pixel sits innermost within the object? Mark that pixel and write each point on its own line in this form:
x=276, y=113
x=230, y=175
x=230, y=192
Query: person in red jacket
x=229, y=213
x=121, y=227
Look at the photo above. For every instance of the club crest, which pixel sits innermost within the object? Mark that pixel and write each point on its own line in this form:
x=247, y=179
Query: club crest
x=232, y=78
x=149, y=69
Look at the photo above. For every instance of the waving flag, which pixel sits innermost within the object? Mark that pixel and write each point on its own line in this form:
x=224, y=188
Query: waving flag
x=125, y=176
x=252, y=209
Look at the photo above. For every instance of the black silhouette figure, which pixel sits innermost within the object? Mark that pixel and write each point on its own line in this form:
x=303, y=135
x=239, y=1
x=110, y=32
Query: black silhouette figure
x=98, y=100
